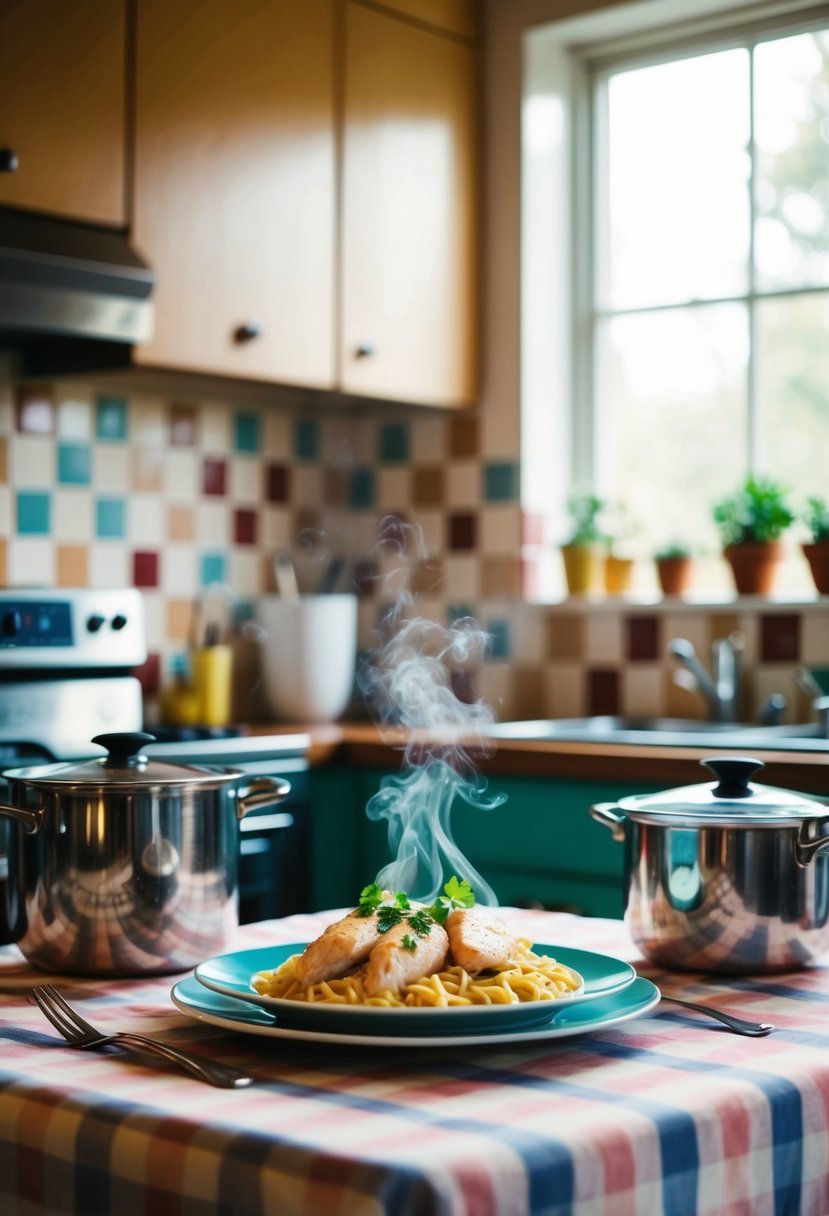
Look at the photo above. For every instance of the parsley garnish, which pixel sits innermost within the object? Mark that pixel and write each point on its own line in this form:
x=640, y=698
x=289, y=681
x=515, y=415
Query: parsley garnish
x=388, y=917
x=421, y=922
x=370, y=899
x=408, y=942
x=457, y=894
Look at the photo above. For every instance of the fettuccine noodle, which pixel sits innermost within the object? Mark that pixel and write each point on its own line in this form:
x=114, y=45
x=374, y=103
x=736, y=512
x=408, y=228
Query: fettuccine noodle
x=527, y=977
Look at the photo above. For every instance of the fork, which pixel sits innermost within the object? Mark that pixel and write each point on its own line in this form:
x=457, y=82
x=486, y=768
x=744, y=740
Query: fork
x=753, y=1030
x=79, y=1033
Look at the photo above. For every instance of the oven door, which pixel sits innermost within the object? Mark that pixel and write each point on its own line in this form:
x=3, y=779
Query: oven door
x=274, y=847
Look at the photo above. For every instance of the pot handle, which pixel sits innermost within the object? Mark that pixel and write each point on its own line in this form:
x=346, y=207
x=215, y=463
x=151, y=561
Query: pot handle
x=609, y=814
x=263, y=791
x=807, y=846
x=31, y=818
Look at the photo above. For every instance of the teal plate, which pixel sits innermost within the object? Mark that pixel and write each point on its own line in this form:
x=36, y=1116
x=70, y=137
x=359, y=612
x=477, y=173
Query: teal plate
x=635, y=1000
x=232, y=975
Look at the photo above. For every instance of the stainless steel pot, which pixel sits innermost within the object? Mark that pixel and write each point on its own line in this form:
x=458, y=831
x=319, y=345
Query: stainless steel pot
x=127, y=865
x=726, y=876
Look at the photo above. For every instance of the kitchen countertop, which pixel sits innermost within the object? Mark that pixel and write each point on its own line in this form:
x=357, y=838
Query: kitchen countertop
x=363, y=743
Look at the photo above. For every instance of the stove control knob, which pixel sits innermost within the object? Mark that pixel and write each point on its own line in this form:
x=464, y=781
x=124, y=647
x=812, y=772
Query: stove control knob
x=94, y=622
x=12, y=623
x=118, y=621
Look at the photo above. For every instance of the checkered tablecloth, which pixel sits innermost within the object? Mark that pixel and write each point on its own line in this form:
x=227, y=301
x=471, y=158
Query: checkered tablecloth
x=663, y=1114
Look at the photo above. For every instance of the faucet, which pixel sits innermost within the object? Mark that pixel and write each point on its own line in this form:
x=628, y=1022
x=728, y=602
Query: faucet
x=721, y=688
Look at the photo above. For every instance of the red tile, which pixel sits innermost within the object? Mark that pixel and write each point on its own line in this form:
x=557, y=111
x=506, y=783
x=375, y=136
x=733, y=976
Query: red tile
x=780, y=638
x=642, y=638
x=602, y=691
x=245, y=526
x=214, y=477
x=149, y=675
x=145, y=569
x=277, y=483
x=463, y=530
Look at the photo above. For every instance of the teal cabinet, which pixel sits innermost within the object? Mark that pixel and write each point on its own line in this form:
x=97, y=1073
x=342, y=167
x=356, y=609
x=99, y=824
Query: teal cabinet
x=539, y=847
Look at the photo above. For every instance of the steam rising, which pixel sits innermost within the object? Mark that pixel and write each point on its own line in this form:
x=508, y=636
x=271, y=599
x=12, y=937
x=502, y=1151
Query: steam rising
x=409, y=681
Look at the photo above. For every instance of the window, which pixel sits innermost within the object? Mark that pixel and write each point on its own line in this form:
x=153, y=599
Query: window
x=692, y=321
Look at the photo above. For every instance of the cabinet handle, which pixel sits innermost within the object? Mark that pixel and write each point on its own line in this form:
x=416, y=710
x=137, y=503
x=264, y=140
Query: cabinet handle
x=364, y=351
x=248, y=332
x=9, y=160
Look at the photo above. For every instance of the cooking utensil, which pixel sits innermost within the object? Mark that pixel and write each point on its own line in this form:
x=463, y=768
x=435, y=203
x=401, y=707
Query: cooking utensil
x=128, y=865
x=726, y=876
x=284, y=574
x=80, y=1033
x=752, y=1030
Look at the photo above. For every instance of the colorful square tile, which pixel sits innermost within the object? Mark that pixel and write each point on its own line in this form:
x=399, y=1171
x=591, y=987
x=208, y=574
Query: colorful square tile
x=4, y=460
x=72, y=565
x=74, y=421
x=245, y=526
x=501, y=482
x=147, y=469
x=278, y=483
x=501, y=576
x=212, y=569
x=565, y=636
x=145, y=569
x=214, y=476
x=74, y=464
x=428, y=485
x=34, y=512
x=307, y=439
x=361, y=492
x=464, y=437
x=180, y=522
x=602, y=691
x=110, y=518
x=179, y=620
x=780, y=638
x=247, y=435
x=643, y=638
x=111, y=423
x=335, y=487
x=498, y=640
x=36, y=409
x=462, y=531
x=394, y=442
x=149, y=675
x=183, y=425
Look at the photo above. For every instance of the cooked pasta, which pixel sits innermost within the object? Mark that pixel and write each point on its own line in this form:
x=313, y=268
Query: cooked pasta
x=527, y=977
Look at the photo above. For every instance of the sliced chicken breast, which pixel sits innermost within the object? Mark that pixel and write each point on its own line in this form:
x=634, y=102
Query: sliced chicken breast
x=391, y=965
x=478, y=939
x=345, y=944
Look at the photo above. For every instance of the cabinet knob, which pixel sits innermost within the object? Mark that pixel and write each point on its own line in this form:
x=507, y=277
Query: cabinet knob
x=9, y=161
x=247, y=332
x=364, y=351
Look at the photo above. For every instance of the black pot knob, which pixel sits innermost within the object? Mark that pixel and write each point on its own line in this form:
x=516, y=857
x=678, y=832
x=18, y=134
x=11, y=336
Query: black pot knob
x=9, y=160
x=734, y=774
x=124, y=747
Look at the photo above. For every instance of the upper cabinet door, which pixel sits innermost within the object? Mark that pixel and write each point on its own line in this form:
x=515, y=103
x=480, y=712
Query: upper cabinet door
x=409, y=324
x=62, y=107
x=235, y=185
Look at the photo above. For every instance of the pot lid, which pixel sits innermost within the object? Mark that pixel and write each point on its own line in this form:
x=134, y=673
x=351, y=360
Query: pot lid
x=123, y=766
x=732, y=800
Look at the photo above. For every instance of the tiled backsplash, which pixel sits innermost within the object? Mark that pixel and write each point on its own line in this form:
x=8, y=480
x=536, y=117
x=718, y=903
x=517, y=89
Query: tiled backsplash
x=103, y=488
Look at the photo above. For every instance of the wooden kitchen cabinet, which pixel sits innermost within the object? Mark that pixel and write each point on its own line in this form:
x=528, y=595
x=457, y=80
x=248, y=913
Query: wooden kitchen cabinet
x=235, y=186
x=409, y=231
x=462, y=17
x=63, y=106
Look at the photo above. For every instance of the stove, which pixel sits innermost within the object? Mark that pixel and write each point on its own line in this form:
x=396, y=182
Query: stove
x=68, y=659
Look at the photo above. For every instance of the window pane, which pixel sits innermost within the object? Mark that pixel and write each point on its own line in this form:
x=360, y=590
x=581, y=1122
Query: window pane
x=792, y=179
x=677, y=197
x=672, y=424
x=793, y=391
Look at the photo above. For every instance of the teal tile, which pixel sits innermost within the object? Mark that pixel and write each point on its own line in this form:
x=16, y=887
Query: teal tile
x=34, y=512
x=242, y=611
x=213, y=569
x=74, y=464
x=500, y=482
x=498, y=640
x=361, y=489
x=394, y=442
x=111, y=518
x=458, y=612
x=247, y=433
x=111, y=421
x=307, y=440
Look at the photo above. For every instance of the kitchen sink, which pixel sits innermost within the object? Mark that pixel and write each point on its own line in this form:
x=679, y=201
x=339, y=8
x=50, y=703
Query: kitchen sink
x=607, y=728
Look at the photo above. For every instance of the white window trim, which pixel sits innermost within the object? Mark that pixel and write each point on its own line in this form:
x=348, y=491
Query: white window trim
x=556, y=371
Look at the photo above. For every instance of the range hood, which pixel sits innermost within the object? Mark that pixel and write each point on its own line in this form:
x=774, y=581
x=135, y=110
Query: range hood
x=77, y=291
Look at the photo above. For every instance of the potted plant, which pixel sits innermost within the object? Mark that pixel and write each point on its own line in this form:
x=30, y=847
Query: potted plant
x=619, y=560
x=751, y=522
x=585, y=550
x=674, y=568
x=816, y=550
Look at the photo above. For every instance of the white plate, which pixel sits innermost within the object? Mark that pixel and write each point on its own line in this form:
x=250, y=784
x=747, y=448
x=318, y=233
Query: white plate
x=205, y=1005
x=232, y=975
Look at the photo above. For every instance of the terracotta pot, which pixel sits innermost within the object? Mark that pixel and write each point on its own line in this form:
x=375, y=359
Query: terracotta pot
x=618, y=574
x=675, y=574
x=817, y=555
x=754, y=566
x=584, y=568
